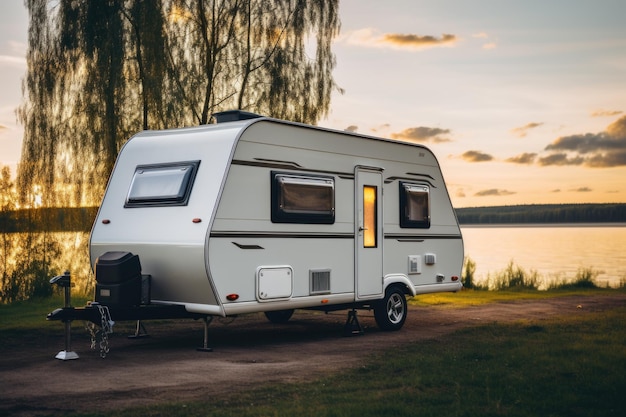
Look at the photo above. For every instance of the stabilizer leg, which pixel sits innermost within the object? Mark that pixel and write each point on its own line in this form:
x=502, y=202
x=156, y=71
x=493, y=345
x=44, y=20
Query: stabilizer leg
x=205, y=346
x=352, y=326
x=140, y=331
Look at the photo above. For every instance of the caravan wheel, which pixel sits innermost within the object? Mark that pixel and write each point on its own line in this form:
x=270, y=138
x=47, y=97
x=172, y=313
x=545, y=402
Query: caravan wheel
x=390, y=313
x=280, y=316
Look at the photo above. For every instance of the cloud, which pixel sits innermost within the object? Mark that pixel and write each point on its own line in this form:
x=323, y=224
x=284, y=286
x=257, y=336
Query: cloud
x=523, y=131
x=493, y=192
x=525, y=158
x=583, y=190
x=380, y=128
x=416, y=41
x=476, y=156
x=3, y=127
x=602, y=113
x=422, y=134
x=596, y=150
x=16, y=57
x=373, y=38
x=12, y=61
x=483, y=35
x=559, y=159
x=351, y=128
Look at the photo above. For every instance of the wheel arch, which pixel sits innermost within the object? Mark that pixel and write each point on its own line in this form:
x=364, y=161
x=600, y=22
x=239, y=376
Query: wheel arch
x=401, y=281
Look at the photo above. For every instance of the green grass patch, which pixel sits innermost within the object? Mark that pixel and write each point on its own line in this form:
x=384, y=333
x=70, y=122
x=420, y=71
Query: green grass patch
x=31, y=314
x=470, y=297
x=570, y=366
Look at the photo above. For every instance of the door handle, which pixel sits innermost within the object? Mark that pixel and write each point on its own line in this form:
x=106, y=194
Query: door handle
x=362, y=229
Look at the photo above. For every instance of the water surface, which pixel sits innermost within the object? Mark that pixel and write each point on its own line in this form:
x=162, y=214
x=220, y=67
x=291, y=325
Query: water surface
x=556, y=252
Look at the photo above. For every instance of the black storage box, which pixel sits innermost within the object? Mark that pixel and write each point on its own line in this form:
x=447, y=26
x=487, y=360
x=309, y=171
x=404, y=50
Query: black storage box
x=119, y=280
x=126, y=294
x=117, y=267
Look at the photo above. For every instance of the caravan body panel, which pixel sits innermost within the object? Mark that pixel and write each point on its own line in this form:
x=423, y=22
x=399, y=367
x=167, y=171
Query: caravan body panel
x=238, y=245
x=171, y=246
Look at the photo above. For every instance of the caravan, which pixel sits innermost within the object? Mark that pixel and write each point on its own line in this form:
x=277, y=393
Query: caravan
x=254, y=214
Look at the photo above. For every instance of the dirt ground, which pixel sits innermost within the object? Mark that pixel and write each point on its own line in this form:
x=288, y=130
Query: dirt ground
x=248, y=352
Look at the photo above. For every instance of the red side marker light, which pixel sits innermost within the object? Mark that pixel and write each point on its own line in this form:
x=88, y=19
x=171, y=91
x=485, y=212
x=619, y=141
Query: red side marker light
x=455, y=278
x=197, y=220
x=232, y=297
x=106, y=221
x=324, y=301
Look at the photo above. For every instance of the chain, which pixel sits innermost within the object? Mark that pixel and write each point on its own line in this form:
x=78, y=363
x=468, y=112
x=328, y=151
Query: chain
x=106, y=328
x=91, y=329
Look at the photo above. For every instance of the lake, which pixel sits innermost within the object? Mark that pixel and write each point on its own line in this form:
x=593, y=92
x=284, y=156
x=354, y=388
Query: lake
x=555, y=252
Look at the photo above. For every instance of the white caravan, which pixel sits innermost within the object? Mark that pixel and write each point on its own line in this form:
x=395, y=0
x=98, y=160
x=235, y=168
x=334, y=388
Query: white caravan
x=265, y=215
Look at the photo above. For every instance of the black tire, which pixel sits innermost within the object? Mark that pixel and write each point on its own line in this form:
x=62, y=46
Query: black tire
x=279, y=316
x=390, y=312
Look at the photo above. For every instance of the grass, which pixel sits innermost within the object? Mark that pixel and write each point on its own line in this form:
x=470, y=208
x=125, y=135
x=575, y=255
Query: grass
x=472, y=297
x=31, y=314
x=571, y=366
x=567, y=366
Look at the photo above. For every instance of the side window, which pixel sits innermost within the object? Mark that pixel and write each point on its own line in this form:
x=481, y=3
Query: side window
x=414, y=205
x=162, y=184
x=302, y=198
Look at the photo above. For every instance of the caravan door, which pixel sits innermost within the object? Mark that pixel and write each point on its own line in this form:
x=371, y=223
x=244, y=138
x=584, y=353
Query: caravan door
x=369, y=234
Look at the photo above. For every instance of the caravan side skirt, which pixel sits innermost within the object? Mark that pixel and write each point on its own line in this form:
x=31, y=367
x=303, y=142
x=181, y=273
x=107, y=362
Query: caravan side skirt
x=293, y=303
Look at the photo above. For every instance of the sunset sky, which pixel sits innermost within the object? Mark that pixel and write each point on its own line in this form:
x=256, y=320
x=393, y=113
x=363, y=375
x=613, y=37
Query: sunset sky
x=523, y=102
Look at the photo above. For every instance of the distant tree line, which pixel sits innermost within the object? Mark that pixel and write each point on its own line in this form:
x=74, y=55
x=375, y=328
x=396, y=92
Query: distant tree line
x=48, y=219
x=543, y=213
x=80, y=219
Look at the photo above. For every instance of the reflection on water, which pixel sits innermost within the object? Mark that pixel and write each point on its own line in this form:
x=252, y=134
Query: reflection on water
x=556, y=253
x=29, y=260
x=75, y=258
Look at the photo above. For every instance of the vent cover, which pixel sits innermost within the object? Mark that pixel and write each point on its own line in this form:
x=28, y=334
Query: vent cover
x=430, y=258
x=319, y=281
x=415, y=264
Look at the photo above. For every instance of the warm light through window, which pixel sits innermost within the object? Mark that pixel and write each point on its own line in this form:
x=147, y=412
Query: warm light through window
x=369, y=216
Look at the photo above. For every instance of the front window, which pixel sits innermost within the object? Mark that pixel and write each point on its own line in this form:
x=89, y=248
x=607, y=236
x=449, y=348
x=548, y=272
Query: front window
x=162, y=184
x=414, y=205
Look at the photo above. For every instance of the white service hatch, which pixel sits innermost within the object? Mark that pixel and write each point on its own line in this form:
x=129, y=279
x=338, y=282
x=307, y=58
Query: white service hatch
x=274, y=283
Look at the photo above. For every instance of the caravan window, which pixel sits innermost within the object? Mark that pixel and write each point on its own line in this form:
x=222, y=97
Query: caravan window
x=162, y=184
x=303, y=199
x=414, y=205
x=370, y=216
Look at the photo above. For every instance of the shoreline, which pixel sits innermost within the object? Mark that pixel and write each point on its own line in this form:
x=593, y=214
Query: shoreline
x=503, y=225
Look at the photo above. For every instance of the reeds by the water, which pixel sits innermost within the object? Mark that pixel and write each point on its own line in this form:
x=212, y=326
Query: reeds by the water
x=515, y=277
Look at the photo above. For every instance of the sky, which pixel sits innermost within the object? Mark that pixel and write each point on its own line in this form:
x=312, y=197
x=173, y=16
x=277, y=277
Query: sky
x=522, y=102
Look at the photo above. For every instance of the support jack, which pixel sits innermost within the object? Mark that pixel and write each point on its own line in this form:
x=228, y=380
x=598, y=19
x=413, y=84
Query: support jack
x=66, y=356
x=65, y=281
x=205, y=346
x=352, y=326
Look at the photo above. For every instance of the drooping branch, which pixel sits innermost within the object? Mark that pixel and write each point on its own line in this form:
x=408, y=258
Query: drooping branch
x=101, y=70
